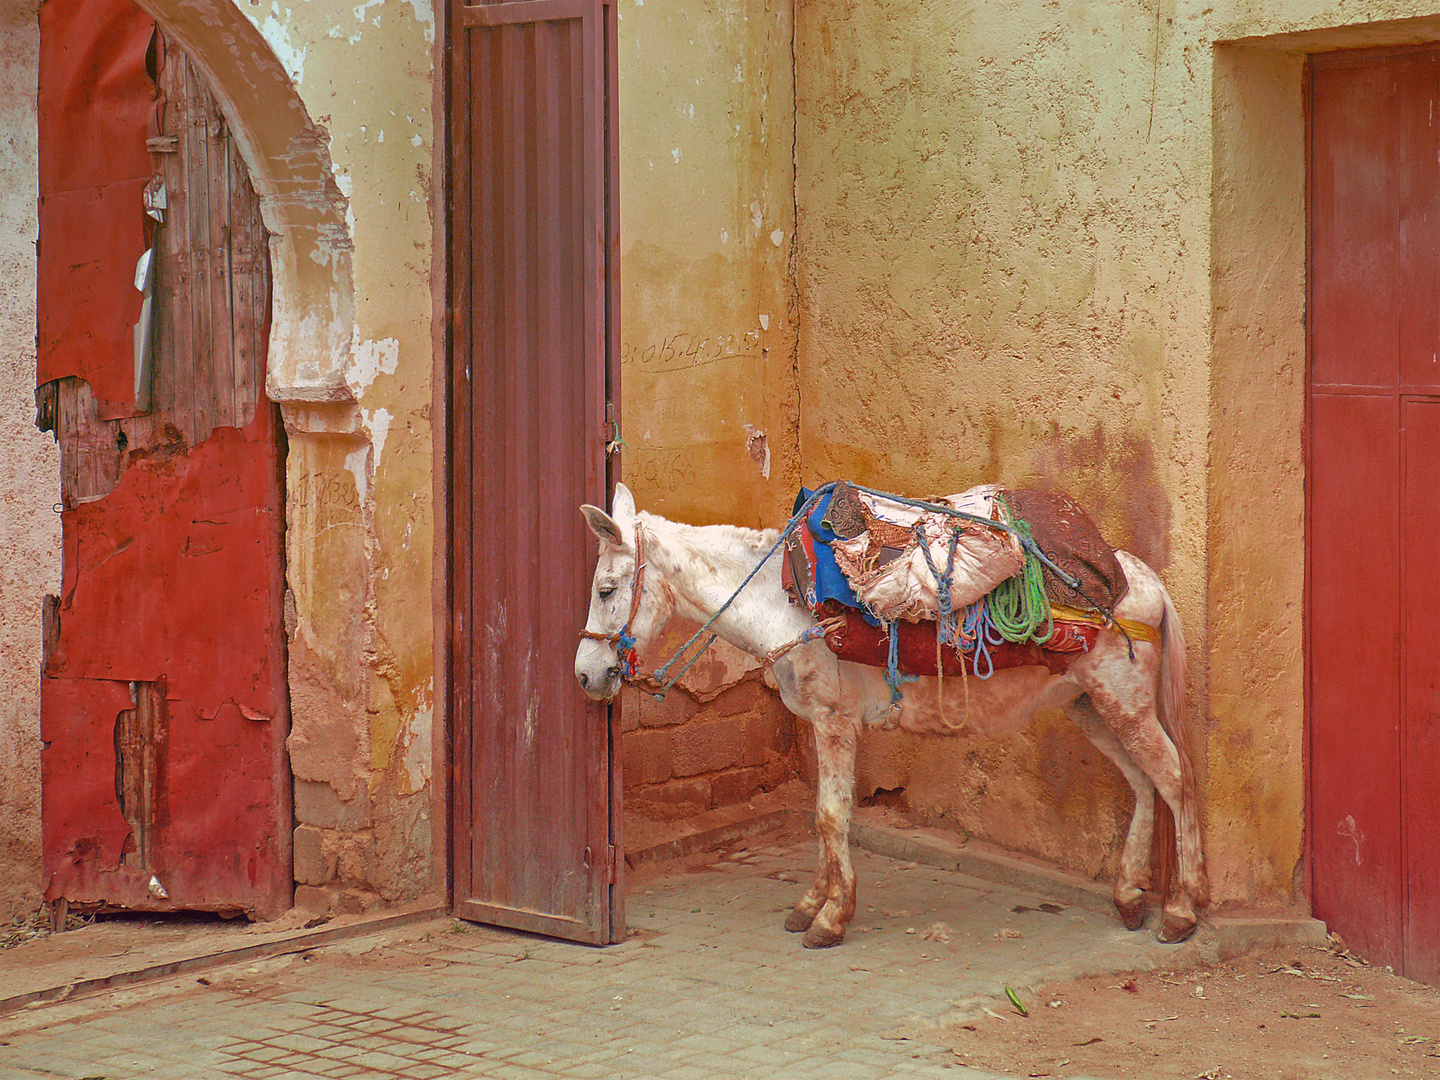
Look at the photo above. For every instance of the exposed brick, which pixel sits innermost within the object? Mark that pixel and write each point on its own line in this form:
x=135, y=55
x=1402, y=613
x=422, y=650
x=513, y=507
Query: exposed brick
x=648, y=756
x=692, y=792
x=704, y=746
x=312, y=866
x=768, y=735
x=318, y=804
x=309, y=898
x=677, y=708
x=736, y=785
x=749, y=696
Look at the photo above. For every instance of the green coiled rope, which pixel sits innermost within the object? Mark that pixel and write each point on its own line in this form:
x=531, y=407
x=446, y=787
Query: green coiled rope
x=1019, y=606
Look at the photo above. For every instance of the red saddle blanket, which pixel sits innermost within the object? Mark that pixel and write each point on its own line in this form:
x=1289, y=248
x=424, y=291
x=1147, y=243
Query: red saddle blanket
x=852, y=638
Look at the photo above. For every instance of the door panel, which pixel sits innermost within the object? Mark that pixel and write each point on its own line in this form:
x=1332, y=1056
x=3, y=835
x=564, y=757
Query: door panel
x=1354, y=203
x=1374, y=489
x=1355, y=825
x=532, y=277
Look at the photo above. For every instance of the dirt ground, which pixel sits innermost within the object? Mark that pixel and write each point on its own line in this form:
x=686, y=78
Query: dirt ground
x=1289, y=1013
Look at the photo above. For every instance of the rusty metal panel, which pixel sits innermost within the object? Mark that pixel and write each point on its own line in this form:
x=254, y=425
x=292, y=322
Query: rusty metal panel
x=164, y=706
x=96, y=94
x=1421, y=689
x=535, y=827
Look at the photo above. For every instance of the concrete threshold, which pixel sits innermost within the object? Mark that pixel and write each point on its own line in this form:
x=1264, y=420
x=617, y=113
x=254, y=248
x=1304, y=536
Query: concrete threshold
x=191, y=956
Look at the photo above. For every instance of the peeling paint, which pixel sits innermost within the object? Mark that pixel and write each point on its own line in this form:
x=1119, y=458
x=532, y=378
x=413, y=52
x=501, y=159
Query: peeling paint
x=369, y=361
x=378, y=424
x=278, y=38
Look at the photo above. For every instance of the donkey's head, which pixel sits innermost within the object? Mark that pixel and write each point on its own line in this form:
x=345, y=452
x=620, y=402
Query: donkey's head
x=628, y=600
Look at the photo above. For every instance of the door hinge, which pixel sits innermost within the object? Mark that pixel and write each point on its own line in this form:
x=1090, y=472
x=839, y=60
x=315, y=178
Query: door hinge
x=610, y=868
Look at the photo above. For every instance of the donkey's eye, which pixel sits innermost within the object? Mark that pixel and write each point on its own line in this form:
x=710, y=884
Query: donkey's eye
x=605, y=591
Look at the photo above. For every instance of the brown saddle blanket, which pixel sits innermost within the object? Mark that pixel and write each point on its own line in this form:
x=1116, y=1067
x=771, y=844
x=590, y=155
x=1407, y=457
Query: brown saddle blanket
x=1069, y=539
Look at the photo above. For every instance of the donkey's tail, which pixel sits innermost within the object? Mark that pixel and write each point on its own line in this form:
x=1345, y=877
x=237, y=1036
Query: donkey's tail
x=1172, y=718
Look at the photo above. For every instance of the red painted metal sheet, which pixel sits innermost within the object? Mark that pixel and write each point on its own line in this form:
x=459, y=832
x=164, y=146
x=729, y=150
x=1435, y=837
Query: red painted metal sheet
x=1354, y=204
x=1355, y=823
x=173, y=581
x=1421, y=690
x=535, y=822
x=1374, y=505
x=96, y=94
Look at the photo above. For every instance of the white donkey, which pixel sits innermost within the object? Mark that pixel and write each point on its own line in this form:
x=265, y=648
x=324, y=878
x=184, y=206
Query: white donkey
x=651, y=569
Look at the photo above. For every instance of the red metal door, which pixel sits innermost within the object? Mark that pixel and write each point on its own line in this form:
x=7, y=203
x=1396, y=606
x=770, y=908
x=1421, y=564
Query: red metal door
x=164, y=708
x=534, y=321
x=1374, y=503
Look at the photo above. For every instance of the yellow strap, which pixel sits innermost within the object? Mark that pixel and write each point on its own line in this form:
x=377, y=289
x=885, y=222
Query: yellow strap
x=1138, y=631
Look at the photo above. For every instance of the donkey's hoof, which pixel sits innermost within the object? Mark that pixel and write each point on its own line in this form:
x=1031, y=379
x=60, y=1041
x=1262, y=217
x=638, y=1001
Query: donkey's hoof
x=1133, y=913
x=817, y=937
x=797, y=922
x=1175, y=929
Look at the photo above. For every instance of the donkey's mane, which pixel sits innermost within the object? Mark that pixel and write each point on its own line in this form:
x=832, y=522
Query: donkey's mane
x=714, y=546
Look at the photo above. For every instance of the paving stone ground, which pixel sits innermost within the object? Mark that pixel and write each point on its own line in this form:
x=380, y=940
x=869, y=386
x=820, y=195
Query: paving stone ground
x=708, y=986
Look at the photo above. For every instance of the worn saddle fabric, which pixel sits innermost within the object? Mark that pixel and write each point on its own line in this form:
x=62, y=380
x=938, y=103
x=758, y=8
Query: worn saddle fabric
x=1071, y=541
x=895, y=555
x=856, y=562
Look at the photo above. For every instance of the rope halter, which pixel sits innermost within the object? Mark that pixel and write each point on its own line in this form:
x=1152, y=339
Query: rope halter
x=621, y=640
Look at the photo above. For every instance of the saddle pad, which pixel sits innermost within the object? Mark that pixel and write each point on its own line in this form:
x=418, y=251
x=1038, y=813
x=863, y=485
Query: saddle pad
x=1070, y=540
x=852, y=638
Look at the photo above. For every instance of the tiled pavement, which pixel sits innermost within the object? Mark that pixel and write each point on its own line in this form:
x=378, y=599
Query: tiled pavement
x=709, y=987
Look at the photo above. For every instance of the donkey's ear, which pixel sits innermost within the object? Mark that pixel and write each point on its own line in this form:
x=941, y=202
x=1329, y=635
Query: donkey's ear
x=623, y=505
x=603, y=526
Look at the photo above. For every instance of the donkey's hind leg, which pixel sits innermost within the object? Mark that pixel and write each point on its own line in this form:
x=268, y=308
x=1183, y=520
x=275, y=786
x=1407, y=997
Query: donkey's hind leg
x=1133, y=720
x=1134, y=876
x=825, y=910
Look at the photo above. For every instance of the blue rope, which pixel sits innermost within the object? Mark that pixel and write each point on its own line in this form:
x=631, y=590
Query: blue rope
x=981, y=631
x=893, y=678
x=945, y=624
x=661, y=672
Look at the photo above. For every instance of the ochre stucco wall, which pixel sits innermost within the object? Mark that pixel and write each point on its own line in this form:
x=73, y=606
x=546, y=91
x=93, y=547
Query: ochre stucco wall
x=710, y=407
x=29, y=472
x=1063, y=244
x=706, y=232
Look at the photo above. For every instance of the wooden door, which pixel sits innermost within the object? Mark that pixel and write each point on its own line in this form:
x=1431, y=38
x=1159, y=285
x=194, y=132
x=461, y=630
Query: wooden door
x=164, y=708
x=534, y=320
x=1374, y=503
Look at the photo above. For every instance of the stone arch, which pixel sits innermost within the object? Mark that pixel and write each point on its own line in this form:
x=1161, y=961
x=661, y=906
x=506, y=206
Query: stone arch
x=287, y=153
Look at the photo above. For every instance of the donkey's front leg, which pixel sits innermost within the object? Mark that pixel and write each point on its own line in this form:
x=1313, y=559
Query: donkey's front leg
x=828, y=907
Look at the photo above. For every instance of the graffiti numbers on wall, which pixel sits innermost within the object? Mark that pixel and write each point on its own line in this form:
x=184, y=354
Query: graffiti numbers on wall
x=683, y=351
x=660, y=471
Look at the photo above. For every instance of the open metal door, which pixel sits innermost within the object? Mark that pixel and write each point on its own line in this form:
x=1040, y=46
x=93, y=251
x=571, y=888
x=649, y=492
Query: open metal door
x=532, y=369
